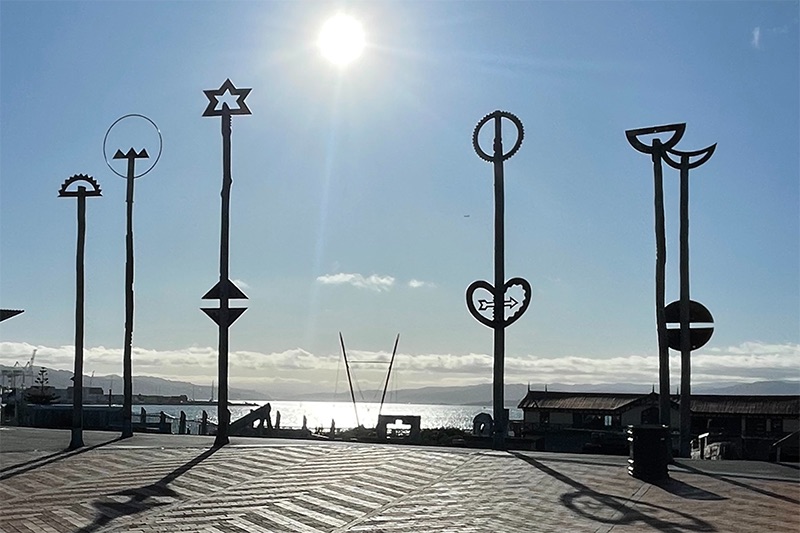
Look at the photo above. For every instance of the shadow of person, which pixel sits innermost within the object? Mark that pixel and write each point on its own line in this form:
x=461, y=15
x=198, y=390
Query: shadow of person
x=141, y=499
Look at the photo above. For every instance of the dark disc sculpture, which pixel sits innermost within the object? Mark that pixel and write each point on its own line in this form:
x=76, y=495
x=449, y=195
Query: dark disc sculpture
x=497, y=301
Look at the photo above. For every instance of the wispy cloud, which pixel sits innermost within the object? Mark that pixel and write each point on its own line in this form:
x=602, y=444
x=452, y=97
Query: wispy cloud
x=417, y=284
x=755, y=42
x=241, y=284
x=373, y=282
x=758, y=35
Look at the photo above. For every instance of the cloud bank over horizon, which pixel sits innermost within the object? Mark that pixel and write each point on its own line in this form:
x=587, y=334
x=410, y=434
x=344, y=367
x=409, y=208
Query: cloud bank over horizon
x=747, y=362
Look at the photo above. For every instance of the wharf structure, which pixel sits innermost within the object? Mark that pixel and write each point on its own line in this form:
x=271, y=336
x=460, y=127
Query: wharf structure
x=736, y=427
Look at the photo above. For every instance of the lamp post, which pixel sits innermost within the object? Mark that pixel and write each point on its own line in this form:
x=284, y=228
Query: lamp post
x=224, y=290
x=88, y=188
x=127, y=368
x=498, y=304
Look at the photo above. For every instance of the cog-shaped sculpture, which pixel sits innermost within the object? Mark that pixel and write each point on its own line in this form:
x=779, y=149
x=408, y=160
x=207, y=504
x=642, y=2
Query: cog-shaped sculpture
x=497, y=148
x=82, y=191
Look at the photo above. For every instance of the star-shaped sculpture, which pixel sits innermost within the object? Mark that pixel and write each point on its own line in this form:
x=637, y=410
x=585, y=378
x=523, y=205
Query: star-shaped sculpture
x=213, y=101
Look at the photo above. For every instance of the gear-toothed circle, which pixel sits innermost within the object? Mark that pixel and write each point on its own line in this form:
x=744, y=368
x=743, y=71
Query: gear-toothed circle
x=94, y=190
x=498, y=115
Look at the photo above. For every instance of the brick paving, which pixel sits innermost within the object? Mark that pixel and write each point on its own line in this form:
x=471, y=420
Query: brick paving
x=167, y=484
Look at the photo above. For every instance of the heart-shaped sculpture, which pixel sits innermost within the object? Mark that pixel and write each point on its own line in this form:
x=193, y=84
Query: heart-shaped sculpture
x=485, y=285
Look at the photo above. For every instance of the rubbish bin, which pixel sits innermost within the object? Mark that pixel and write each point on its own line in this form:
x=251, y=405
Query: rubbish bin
x=649, y=452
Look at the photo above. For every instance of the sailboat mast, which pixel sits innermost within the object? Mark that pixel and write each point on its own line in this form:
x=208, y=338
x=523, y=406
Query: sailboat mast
x=349, y=379
x=388, y=373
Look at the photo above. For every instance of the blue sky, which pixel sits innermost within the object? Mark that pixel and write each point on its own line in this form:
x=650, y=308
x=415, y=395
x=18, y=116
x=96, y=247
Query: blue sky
x=352, y=185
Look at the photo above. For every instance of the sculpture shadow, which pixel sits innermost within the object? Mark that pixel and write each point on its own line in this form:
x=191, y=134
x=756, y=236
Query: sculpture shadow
x=15, y=470
x=143, y=498
x=588, y=503
x=741, y=484
x=684, y=490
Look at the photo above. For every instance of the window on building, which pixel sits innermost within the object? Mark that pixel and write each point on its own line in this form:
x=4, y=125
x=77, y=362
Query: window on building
x=608, y=420
x=544, y=418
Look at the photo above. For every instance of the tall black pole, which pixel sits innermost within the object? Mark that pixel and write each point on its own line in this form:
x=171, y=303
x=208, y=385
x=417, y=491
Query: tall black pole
x=664, y=401
x=223, y=414
x=76, y=440
x=498, y=374
x=127, y=370
x=686, y=343
x=127, y=347
x=498, y=322
x=224, y=290
x=77, y=376
x=691, y=335
x=657, y=151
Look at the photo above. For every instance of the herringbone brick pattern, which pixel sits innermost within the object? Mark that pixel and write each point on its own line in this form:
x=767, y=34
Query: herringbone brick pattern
x=340, y=487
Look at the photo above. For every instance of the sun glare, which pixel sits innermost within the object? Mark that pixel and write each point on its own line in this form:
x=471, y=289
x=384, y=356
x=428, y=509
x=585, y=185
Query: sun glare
x=341, y=39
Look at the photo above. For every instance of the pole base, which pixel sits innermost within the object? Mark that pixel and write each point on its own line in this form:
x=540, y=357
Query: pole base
x=77, y=440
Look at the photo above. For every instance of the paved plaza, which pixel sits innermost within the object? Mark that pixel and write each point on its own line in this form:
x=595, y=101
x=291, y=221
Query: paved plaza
x=170, y=483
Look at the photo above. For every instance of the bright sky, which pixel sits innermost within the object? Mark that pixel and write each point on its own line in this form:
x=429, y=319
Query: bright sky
x=359, y=205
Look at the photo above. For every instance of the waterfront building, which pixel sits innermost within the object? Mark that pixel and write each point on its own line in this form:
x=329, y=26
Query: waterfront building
x=749, y=426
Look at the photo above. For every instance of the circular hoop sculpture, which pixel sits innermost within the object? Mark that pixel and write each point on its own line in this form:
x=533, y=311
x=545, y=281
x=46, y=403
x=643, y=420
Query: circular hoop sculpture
x=143, y=154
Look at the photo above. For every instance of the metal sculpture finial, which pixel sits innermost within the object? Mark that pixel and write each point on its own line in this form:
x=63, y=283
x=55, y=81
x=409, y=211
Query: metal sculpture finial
x=213, y=96
x=497, y=301
x=497, y=148
x=677, y=131
x=684, y=313
x=224, y=290
x=132, y=154
x=82, y=190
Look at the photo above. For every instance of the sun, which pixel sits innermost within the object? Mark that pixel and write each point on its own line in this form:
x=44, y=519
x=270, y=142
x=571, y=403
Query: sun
x=341, y=39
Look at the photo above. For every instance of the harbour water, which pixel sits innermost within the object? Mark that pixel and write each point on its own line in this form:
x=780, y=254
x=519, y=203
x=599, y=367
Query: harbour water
x=320, y=414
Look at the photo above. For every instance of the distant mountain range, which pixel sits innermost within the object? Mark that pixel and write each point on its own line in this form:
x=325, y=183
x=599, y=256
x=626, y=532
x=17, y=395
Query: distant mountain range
x=465, y=395
x=514, y=392
x=145, y=385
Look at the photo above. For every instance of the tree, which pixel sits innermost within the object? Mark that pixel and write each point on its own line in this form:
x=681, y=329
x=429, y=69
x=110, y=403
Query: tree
x=42, y=395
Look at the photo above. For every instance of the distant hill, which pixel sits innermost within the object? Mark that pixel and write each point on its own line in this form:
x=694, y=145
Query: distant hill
x=757, y=388
x=145, y=385
x=514, y=392
x=479, y=395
